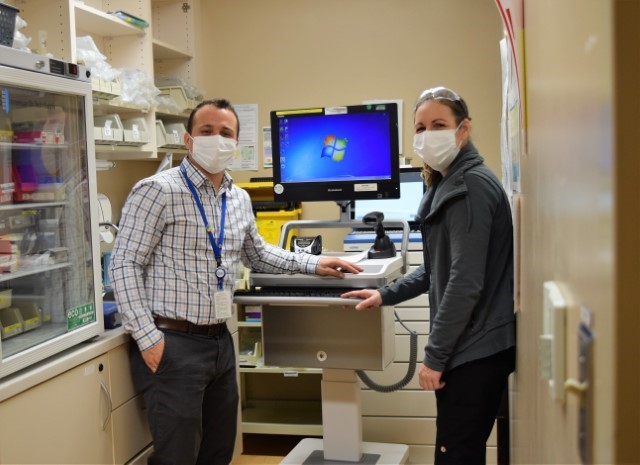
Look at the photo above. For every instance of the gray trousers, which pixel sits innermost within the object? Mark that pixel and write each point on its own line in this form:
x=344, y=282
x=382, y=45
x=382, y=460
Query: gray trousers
x=191, y=400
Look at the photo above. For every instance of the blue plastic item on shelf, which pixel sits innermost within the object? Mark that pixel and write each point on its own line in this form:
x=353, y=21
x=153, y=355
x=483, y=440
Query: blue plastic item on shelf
x=112, y=318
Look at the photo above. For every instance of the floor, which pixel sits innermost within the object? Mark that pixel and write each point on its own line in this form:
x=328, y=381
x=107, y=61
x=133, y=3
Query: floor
x=257, y=460
x=261, y=449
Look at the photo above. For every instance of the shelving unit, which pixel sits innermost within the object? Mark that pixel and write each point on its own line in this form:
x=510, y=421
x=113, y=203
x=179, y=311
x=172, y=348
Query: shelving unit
x=101, y=23
x=285, y=372
x=123, y=152
x=165, y=48
x=33, y=271
x=173, y=28
x=298, y=418
x=278, y=400
x=165, y=51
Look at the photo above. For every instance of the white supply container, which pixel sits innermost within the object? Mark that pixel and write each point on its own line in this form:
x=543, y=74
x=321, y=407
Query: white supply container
x=107, y=129
x=161, y=134
x=175, y=135
x=135, y=131
x=179, y=96
x=106, y=89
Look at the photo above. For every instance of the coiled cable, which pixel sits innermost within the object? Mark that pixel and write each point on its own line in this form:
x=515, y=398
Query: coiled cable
x=413, y=359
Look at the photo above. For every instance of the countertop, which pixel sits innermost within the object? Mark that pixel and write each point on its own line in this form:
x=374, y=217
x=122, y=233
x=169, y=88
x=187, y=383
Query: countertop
x=70, y=358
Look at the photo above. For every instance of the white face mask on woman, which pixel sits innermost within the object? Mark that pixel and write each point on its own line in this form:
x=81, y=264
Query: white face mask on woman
x=213, y=153
x=437, y=148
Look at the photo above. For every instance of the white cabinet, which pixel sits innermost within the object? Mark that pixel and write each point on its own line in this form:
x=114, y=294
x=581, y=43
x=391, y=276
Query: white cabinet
x=87, y=414
x=64, y=420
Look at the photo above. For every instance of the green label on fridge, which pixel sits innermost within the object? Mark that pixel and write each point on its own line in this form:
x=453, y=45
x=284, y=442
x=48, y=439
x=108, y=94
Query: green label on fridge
x=80, y=316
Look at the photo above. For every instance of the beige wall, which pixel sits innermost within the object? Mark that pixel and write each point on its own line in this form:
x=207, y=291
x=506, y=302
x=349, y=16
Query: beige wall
x=291, y=54
x=117, y=182
x=580, y=223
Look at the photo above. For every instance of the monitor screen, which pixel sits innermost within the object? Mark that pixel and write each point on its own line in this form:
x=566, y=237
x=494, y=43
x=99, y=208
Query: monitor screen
x=412, y=189
x=336, y=153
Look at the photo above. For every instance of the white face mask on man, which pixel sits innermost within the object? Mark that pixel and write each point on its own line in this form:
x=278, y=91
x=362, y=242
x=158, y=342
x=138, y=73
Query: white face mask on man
x=437, y=149
x=213, y=153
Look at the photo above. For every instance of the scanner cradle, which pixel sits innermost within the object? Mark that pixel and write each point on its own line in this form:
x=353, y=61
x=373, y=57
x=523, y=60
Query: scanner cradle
x=383, y=247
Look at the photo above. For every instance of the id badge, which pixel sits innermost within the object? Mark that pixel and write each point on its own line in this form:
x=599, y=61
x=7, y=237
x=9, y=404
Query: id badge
x=222, y=300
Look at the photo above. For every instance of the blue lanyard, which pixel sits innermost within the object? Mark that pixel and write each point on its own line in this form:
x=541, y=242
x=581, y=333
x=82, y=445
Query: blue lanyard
x=217, y=247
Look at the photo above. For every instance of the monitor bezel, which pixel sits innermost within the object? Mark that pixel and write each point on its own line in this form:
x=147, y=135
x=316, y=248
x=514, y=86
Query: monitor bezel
x=339, y=191
x=403, y=170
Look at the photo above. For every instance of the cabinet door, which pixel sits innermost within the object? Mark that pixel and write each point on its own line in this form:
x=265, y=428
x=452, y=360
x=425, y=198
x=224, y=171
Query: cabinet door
x=49, y=265
x=130, y=430
x=64, y=420
x=122, y=389
x=130, y=427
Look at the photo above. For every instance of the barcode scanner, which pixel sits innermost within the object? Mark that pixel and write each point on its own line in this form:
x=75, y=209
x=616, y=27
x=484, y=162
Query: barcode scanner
x=383, y=246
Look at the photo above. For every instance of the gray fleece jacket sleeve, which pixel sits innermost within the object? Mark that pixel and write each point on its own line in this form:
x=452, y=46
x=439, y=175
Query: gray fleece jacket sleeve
x=409, y=286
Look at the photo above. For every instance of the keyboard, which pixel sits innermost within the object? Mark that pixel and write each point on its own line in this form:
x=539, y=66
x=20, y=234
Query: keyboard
x=307, y=295
x=387, y=231
x=294, y=292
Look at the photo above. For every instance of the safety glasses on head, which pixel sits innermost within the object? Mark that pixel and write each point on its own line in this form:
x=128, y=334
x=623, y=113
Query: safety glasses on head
x=436, y=93
x=439, y=93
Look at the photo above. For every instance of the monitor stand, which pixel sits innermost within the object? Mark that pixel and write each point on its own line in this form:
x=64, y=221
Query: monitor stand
x=342, y=429
x=345, y=210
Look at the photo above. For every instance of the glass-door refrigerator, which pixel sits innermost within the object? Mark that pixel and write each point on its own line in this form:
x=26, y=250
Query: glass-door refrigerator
x=50, y=286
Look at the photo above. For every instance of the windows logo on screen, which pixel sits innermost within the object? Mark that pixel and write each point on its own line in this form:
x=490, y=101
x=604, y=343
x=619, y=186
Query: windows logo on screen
x=334, y=148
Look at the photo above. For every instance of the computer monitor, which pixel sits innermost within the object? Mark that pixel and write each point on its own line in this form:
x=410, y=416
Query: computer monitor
x=412, y=189
x=336, y=153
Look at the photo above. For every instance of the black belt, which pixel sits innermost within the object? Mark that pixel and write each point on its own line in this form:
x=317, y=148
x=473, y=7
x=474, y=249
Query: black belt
x=184, y=326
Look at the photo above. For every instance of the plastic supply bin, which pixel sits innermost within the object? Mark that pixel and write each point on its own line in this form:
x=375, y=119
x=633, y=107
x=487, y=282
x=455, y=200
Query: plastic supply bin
x=270, y=224
x=168, y=140
x=106, y=89
x=175, y=135
x=161, y=134
x=179, y=96
x=107, y=129
x=31, y=316
x=135, y=131
x=5, y=298
x=11, y=322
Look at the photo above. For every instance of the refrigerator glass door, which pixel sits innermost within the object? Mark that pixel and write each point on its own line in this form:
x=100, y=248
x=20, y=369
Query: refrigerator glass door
x=48, y=294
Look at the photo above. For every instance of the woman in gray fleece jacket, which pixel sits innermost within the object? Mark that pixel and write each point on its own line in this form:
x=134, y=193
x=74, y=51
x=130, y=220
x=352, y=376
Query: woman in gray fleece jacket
x=467, y=235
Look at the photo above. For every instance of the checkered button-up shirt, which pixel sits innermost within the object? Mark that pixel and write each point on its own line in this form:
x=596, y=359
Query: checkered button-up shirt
x=163, y=263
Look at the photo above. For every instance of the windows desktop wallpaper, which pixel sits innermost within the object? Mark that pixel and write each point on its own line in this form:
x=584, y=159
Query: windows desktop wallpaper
x=343, y=147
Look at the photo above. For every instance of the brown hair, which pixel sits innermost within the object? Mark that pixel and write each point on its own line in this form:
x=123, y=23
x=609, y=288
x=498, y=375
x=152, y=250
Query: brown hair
x=222, y=104
x=460, y=112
